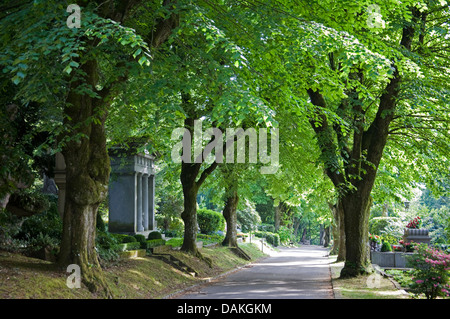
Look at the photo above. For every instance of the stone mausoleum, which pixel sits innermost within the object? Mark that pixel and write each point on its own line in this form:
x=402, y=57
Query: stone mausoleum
x=131, y=193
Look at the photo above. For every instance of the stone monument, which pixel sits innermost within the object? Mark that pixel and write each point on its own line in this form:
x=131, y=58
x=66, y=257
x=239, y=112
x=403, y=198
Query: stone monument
x=131, y=193
x=417, y=235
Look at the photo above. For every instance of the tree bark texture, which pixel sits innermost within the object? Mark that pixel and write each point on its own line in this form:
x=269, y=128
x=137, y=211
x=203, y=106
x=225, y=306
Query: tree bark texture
x=87, y=176
x=338, y=231
x=229, y=212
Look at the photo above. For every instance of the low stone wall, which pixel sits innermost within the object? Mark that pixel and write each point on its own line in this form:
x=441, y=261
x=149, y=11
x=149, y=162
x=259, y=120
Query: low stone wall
x=389, y=259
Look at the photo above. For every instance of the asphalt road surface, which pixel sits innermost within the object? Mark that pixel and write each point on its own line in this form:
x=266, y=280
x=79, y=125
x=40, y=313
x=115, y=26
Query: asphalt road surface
x=293, y=273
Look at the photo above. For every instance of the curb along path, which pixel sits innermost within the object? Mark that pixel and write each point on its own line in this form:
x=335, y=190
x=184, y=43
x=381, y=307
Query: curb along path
x=293, y=273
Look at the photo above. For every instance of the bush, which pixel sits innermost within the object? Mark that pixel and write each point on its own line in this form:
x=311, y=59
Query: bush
x=272, y=238
x=210, y=221
x=248, y=218
x=127, y=246
x=286, y=234
x=388, y=238
x=431, y=274
x=141, y=239
x=155, y=243
x=106, y=240
x=386, y=225
x=386, y=247
x=154, y=235
x=128, y=239
x=209, y=239
x=46, y=223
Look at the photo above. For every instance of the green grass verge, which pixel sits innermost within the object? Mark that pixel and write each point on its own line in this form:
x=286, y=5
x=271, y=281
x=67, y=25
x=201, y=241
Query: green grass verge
x=143, y=277
x=372, y=286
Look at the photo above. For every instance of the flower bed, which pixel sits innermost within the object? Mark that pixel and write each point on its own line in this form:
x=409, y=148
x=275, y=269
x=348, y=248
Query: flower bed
x=431, y=275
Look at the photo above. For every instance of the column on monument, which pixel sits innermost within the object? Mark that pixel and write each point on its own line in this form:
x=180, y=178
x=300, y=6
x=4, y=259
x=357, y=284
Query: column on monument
x=145, y=198
x=139, y=225
x=151, y=202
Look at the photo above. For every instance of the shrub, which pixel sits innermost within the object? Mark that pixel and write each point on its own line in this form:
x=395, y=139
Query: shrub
x=386, y=247
x=155, y=243
x=128, y=239
x=272, y=238
x=431, y=274
x=210, y=221
x=392, y=240
x=141, y=239
x=209, y=239
x=46, y=223
x=154, y=235
x=386, y=225
x=286, y=234
x=106, y=240
x=248, y=218
x=127, y=246
x=176, y=226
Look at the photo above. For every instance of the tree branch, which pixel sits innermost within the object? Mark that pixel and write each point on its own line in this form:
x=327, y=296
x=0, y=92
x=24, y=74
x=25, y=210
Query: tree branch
x=206, y=173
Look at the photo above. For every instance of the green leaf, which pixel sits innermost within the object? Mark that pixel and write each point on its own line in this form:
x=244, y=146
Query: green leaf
x=137, y=52
x=67, y=69
x=142, y=60
x=16, y=80
x=74, y=64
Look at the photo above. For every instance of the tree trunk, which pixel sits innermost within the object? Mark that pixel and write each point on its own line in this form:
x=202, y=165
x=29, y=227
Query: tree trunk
x=358, y=170
x=356, y=214
x=86, y=156
x=338, y=231
x=321, y=235
x=229, y=212
x=296, y=225
x=190, y=184
x=87, y=176
x=188, y=177
x=277, y=216
x=189, y=214
x=326, y=237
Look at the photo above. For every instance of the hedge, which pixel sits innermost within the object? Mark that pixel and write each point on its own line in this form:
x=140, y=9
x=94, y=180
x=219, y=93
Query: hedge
x=154, y=243
x=210, y=221
x=272, y=238
x=154, y=235
x=127, y=246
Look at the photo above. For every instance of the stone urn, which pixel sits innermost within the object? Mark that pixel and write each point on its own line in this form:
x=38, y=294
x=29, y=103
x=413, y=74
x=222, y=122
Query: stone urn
x=417, y=235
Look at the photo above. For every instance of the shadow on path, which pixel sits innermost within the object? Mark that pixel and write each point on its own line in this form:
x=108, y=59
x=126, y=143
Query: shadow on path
x=293, y=273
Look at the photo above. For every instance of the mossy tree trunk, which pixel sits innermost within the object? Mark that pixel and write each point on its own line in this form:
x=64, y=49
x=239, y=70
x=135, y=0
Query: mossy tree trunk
x=230, y=214
x=338, y=230
x=84, y=149
x=87, y=176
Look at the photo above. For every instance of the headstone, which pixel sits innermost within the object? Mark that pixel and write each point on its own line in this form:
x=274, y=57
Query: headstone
x=131, y=193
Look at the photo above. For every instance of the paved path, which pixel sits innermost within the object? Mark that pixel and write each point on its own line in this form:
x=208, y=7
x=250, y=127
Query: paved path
x=293, y=273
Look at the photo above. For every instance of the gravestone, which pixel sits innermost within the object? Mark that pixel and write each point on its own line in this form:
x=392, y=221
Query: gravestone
x=131, y=193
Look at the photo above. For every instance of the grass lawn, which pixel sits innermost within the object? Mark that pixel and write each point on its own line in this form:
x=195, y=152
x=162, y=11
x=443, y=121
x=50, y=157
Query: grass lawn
x=372, y=286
